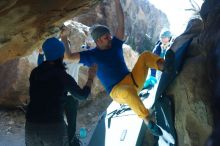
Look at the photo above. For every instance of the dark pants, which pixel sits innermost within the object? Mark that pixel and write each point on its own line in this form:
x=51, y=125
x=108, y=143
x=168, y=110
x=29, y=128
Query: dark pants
x=71, y=113
x=54, y=134
x=46, y=134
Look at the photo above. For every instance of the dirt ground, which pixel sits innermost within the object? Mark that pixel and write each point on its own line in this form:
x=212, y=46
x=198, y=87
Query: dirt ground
x=11, y=127
x=12, y=122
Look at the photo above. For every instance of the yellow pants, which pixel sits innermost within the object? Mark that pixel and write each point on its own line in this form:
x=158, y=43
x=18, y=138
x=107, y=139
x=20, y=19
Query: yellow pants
x=126, y=92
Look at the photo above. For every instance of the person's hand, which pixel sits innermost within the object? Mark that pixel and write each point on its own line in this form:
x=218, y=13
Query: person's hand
x=65, y=32
x=92, y=72
x=40, y=51
x=91, y=75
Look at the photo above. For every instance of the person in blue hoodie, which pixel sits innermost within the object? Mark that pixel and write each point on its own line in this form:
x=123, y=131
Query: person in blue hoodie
x=160, y=49
x=49, y=85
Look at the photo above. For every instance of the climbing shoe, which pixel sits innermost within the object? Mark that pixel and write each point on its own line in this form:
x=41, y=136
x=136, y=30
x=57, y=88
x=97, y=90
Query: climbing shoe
x=154, y=129
x=169, y=65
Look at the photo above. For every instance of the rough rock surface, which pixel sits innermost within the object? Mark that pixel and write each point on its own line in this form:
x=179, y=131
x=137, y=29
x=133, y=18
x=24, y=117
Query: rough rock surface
x=24, y=24
x=141, y=18
x=209, y=41
x=14, y=85
x=191, y=91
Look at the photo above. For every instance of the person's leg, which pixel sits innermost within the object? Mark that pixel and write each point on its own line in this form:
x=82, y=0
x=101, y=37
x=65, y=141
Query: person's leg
x=54, y=134
x=50, y=134
x=145, y=61
x=31, y=135
x=71, y=107
x=127, y=94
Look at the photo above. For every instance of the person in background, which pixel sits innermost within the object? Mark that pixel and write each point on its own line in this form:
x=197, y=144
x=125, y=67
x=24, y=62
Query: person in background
x=160, y=49
x=49, y=85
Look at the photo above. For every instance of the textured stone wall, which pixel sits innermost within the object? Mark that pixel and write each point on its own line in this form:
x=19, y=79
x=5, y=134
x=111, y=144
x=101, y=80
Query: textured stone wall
x=24, y=24
x=141, y=18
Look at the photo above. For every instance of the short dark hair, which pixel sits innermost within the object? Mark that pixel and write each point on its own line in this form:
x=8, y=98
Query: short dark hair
x=98, y=30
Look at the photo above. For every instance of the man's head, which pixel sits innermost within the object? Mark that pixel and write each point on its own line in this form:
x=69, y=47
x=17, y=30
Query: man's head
x=53, y=49
x=165, y=36
x=102, y=36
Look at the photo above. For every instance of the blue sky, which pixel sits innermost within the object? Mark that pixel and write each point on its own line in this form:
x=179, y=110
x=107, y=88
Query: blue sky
x=176, y=13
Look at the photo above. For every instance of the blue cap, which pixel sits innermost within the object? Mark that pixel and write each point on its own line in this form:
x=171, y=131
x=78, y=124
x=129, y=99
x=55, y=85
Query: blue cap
x=53, y=49
x=165, y=34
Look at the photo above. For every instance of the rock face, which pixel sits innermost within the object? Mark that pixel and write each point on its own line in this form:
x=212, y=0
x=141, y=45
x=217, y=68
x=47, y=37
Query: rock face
x=14, y=85
x=24, y=24
x=191, y=90
x=210, y=39
x=141, y=18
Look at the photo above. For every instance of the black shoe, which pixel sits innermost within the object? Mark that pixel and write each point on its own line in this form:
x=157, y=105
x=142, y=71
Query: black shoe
x=169, y=64
x=154, y=129
x=75, y=142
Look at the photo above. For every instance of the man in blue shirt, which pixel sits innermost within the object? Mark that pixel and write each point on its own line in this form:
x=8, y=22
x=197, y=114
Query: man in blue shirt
x=121, y=84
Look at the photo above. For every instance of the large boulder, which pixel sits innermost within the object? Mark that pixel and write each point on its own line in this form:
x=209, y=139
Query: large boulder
x=25, y=24
x=191, y=91
x=209, y=40
x=14, y=85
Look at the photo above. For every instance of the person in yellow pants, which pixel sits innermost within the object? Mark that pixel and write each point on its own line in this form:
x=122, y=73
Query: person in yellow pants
x=121, y=84
x=126, y=91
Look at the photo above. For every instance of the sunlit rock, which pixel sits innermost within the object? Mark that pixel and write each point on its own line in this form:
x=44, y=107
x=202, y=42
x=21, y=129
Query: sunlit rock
x=143, y=22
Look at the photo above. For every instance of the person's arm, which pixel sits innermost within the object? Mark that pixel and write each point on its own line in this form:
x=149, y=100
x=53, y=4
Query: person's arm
x=40, y=58
x=120, y=18
x=73, y=88
x=157, y=51
x=91, y=76
x=160, y=64
x=72, y=57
